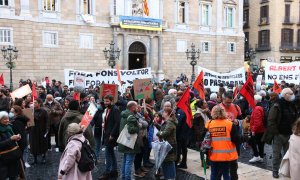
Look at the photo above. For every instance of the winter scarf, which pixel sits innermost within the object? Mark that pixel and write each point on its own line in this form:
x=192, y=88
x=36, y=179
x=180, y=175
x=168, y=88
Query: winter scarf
x=7, y=130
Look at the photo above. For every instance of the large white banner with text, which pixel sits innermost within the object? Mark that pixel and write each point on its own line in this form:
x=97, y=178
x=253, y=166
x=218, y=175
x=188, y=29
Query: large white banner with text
x=212, y=79
x=288, y=72
x=108, y=76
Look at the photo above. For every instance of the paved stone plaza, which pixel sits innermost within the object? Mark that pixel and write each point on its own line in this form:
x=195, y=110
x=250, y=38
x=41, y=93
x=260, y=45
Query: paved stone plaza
x=49, y=170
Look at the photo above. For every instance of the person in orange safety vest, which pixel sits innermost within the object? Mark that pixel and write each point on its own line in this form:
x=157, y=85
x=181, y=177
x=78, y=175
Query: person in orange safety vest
x=224, y=136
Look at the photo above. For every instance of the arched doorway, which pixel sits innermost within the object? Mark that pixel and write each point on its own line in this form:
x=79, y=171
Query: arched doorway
x=137, y=56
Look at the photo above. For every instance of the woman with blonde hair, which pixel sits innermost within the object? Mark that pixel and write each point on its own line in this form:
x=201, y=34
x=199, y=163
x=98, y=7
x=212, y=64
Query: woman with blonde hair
x=223, y=143
x=294, y=151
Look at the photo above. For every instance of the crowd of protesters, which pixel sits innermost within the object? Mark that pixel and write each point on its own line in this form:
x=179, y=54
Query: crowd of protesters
x=57, y=113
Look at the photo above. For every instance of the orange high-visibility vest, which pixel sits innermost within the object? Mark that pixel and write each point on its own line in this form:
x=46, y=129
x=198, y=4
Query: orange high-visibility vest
x=222, y=147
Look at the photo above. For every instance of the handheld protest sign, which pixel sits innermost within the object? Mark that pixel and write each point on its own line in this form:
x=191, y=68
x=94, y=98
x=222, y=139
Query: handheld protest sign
x=109, y=89
x=21, y=92
x=88, y=115
x=143, y=88
x=28, y=112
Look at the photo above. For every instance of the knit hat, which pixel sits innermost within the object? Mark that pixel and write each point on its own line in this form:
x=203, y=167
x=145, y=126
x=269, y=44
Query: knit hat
x=3, y=114
x=73, y=129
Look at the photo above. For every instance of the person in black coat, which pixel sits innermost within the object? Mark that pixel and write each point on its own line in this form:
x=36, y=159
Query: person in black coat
x=111, y=127
x=183, y=135
x=8, y=139
x=38, y=133
x=19, y=126
x=97, y=121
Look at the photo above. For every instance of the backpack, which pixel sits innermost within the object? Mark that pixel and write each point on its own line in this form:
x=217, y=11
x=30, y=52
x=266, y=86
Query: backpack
x=87, y=160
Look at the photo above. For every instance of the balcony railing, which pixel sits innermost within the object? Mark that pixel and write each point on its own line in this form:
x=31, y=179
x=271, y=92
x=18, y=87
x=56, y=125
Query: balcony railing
x=288, y=20
x=264, y=1
x=263, y=47
x=297, y=46
x=286, y=46
x=263, y=21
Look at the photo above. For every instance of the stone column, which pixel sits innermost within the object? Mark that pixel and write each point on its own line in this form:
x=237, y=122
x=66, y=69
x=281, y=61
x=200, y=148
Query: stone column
x=25, y=8
x=151, y=50
x=160, y=73
x=240, y=16
x=219, y=16
x=125, y=53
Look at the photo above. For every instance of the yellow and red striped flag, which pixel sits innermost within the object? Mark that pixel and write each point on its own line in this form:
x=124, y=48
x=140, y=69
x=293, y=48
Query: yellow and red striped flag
x=146, y=9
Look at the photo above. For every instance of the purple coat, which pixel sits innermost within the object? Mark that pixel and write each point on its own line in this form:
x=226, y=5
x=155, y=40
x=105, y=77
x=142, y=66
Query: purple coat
x=68, y=159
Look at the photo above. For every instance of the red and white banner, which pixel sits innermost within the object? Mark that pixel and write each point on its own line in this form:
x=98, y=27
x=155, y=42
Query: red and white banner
x=88, y=115
x=288, y=72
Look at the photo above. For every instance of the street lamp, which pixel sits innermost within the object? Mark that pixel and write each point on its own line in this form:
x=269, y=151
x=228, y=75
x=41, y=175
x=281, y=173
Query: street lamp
x=193, y=55
x=10, y=54
x=112, y=54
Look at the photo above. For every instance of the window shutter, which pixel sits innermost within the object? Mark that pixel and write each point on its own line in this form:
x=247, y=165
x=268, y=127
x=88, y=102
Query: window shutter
x=233, y=17
x=291, y=36
x=209, y=15
x=268, y=37
x=287, y=10
x=259, y=37
x=298, y=36
x=119, y=7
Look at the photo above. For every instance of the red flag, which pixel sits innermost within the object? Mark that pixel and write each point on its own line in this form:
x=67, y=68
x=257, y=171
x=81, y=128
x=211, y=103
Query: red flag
x=34, y=93
x=119, y=74
x=199, y=85
x=236, y=91
x=76, y=96
x=2, y=79
x=184, y=105
x=276, y=88
x=248, y=92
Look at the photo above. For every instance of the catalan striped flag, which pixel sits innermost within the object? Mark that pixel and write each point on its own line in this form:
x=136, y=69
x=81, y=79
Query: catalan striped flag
x=146, y=9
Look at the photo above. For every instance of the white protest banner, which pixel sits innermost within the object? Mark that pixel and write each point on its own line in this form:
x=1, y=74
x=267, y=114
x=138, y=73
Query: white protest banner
x=258, y=82
x=212, y=79
x=21, y=92
x=288, y=72
x=108, y=76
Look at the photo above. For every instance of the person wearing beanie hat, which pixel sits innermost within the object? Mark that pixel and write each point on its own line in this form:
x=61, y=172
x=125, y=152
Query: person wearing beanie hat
x=8, y=169
x=68, y=168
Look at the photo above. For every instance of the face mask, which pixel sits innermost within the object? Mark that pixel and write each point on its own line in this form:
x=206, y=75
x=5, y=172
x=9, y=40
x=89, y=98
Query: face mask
x=98, y=106
x=50, y=102
x=11, y=115
x=293, y=97
x=241, y=97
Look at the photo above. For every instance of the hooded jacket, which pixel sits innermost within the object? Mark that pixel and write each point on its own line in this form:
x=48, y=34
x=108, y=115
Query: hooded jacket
x=72, y=116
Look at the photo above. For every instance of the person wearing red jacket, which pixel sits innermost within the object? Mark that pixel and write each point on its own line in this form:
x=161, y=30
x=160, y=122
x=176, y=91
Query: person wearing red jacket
x=257, y=130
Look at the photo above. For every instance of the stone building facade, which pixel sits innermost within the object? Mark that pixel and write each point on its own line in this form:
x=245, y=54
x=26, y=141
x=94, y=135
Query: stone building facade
x=272, y=30
x=53, y=35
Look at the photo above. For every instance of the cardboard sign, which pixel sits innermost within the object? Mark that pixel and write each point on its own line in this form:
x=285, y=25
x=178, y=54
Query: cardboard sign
x=21, y=92
x=79, y=80
x=88, y=115
x=109, y=89
x=28, y=112
x=143, y=88
x=212, y=79
x=288, y=72
x=258, y=82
